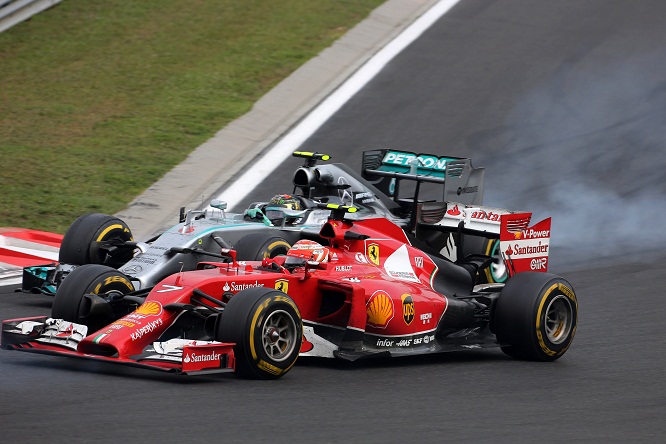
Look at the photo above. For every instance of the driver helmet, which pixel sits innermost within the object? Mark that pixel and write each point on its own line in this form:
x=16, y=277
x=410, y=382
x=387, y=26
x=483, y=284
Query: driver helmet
x=306, y=251
x=275, y=209
x=287, y=201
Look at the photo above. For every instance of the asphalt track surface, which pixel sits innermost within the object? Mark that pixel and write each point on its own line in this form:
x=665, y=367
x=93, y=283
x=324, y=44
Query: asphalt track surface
x=563, y=102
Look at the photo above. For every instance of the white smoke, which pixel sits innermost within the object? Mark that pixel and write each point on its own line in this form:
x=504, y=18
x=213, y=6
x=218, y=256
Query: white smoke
x=588, y=147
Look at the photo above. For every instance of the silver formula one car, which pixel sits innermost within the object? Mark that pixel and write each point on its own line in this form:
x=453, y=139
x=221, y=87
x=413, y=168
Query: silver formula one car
x=268, y=229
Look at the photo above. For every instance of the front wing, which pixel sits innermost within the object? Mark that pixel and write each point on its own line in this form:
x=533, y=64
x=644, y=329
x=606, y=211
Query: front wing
x=58, y=337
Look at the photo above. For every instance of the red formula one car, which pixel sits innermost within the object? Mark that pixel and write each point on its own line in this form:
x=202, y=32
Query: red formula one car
x=359, y=290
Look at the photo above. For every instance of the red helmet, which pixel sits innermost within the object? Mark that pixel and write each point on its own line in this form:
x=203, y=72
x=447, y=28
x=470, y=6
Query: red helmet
x=306, y=251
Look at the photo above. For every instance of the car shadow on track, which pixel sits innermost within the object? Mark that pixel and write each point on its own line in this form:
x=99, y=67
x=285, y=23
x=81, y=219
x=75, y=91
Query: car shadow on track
x=449, y=358
x=76, y=366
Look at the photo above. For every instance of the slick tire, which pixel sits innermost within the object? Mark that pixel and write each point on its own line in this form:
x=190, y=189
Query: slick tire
x=83, y=241
x=267, y=329
x=497, y=272
x=82, y=297
x=257, y=246
x=535, y=316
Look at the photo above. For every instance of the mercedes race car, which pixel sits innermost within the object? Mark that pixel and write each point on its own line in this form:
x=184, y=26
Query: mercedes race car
x=358, y=290
x=267, y=229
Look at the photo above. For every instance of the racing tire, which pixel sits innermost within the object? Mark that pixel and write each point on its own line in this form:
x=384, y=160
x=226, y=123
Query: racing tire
x=84, y=241
x=71, y=304
x=497, y=272
x=258, y=246
x=267, y=330
x=535, y=316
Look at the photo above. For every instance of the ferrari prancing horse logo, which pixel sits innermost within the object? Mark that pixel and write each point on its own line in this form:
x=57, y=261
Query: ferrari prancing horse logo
x=282, y=285
x=373, y=253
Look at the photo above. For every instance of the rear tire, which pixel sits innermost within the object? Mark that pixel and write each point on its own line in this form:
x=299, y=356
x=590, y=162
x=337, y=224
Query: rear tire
x=267, y=329
x=535, y=316
x=71, y=304
x=258, y=246
x=497, y=272
x=86, y=238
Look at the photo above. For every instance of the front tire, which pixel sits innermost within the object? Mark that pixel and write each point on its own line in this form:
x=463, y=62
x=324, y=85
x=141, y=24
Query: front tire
x=535, y=316
x=84, y=296
x=258, y=246
x=90, y=240
x=267, y=329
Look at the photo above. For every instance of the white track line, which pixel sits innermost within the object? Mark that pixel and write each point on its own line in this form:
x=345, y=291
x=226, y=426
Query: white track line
x=291, y=142
x=38, y=252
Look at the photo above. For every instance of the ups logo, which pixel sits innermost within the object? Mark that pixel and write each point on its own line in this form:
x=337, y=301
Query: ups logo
x=407, y=308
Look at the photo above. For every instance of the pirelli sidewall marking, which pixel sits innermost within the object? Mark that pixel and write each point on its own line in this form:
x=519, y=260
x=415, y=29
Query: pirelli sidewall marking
x=111, y=279
x=111, y=228
x=256, y=322
x=269, y=368
x=274, y=245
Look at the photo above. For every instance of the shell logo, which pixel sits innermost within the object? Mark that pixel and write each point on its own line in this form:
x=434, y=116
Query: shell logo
x=149, y=308
x=379, y=309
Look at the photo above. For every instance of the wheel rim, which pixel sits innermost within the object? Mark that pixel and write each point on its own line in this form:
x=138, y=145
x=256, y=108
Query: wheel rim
x=279, y=335
x=559, y=319
x=498, y=269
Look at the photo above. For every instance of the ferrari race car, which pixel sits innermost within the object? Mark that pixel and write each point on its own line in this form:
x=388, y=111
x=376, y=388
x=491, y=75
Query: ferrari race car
x=359, y=290
x=267, y=229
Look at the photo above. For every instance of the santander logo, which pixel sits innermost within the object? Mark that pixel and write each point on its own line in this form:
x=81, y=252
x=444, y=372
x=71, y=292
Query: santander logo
x=206, y=357
x=233, y=286
x=454, y=211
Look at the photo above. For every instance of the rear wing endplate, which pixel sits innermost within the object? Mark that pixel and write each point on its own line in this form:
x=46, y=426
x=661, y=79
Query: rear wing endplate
x=524, y=248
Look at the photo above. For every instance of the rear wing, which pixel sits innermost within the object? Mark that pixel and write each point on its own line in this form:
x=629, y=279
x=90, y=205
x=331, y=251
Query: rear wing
x=523, y=248
x=477, y=220
x=461, y=182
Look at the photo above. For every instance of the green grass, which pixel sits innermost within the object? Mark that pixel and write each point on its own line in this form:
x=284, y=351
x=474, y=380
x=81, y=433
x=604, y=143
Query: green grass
x=99, y=99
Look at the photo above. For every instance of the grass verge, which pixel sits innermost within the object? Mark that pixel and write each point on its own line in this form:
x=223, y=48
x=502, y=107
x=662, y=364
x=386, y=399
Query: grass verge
x=99, y=99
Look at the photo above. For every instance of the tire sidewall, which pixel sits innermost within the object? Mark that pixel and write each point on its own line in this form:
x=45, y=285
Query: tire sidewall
x=81, y=242
x=86, y=279
x=557, y=289
x=519, y=317
x=254, y=345
x=243, y=321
